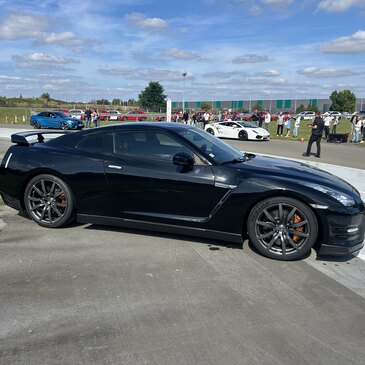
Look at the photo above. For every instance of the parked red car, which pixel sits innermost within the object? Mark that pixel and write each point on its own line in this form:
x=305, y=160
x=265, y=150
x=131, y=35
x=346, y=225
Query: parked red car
x=134, y=115
x=110, y=115
x=64, y=111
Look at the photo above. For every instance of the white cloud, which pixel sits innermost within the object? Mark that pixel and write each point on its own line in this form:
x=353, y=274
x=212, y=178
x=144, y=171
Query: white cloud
x=325, y=72
x=141, y=21
x=221, y=74
x=352, y=44
x=268, y=73
x=21, y=26
x=250, y=58
x=180, y=54
x=333, y=6
x=44, y=58
x=275, y=2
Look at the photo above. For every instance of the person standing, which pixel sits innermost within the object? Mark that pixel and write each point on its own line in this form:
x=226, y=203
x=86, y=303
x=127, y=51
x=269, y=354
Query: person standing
x=206, y=117
x=296, y=126
x=186, y=116
x=288, y=126
x=267, y=120
x=88, y=114
x=336, y=122
x=316, y=135
x=363, y=131
x=95, y=117
x=327, y=125
x=280, y=125
x=256, y=118
x=357, y=129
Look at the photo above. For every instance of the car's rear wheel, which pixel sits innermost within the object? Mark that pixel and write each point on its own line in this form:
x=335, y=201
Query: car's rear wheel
x=211, y=131
x=282, y=228
x=64, y=126
x=49, y=201
x=125, y=118
x=242, y=135
x=36, y=125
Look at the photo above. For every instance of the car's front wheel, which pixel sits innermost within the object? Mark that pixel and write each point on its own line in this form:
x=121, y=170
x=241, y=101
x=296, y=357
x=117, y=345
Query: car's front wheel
x=125, y=118
x=64, y=126
x=282, y=228
x=49, y=201
x=242, y=135
x=36, y=125
x=211, y=131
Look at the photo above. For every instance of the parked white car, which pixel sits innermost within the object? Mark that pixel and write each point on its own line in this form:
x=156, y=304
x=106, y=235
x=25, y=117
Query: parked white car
x=238, y=130
x=77, y=113
x=307, y=115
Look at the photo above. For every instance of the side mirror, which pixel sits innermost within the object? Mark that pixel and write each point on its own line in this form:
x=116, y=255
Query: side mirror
x=183, y=159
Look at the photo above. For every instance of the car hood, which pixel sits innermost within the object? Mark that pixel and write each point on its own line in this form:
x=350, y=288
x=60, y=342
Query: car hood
x=293, y=170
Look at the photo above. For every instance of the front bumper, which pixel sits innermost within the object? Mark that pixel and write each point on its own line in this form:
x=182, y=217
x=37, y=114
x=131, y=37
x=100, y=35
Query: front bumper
x=346, y=235
x=330, y=250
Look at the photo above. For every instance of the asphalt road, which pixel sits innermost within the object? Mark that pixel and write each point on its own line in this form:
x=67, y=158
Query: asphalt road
x=91, y=294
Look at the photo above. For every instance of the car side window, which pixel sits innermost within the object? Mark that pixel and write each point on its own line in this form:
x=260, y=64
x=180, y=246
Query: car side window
x=101, y=143
x=148, y=145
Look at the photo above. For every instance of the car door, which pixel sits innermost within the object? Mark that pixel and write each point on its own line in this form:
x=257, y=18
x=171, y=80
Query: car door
x=223, y=129
x=230, y=130
x=54, y=120
x=146, y=185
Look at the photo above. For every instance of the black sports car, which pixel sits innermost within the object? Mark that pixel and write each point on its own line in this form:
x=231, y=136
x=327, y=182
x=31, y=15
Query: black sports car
x=176, y=178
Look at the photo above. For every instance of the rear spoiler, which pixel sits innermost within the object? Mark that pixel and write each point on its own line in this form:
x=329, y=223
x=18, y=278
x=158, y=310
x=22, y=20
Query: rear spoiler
x=27, y=138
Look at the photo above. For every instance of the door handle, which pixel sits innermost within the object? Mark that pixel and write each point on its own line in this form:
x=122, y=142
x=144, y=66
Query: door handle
x=115, y=167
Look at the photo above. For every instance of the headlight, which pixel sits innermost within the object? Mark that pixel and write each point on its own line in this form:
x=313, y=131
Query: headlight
x=342, y=198
x=255, y=131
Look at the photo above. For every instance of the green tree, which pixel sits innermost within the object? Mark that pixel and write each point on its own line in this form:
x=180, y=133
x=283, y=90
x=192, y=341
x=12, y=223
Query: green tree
x=205, y=105
x=152, y=98
x=132, y=102
x=116, y=102
x=301, y=108
x=343, y=101
x=102, y=102
x=46, y=96
x=257, y=107
x=312, y=108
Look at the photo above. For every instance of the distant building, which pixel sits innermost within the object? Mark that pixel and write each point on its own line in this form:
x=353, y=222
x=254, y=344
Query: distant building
x=323, y=105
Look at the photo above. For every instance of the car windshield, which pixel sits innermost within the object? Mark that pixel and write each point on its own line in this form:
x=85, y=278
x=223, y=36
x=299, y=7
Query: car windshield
x=247, y=125
x=218, y=151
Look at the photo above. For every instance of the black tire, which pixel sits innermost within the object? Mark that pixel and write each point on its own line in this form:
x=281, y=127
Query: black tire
x=243, y=136
x=49, y=201
x=282, y=228
x=36, y=125
x=125, y=118
x=64, y=126
x=211, y=131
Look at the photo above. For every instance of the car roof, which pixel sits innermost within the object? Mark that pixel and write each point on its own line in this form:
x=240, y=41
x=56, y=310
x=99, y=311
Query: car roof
x=69, y=140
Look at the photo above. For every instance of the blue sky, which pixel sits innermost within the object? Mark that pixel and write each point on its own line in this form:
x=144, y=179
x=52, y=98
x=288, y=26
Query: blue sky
x=230, y=49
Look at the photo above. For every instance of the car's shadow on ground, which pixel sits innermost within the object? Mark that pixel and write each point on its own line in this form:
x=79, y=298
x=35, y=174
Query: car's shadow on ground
x=212, y=243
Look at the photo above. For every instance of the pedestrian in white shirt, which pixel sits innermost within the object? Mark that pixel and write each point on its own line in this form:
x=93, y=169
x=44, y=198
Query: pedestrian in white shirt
x=357, y=129
x=327, y=124
x=267, y=120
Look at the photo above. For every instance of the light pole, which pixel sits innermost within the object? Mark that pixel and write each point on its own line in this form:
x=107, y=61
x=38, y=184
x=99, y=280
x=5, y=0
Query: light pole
x=184, y=75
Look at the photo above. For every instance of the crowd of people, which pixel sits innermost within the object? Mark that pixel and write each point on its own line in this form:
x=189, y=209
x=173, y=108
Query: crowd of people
x=286, y=123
